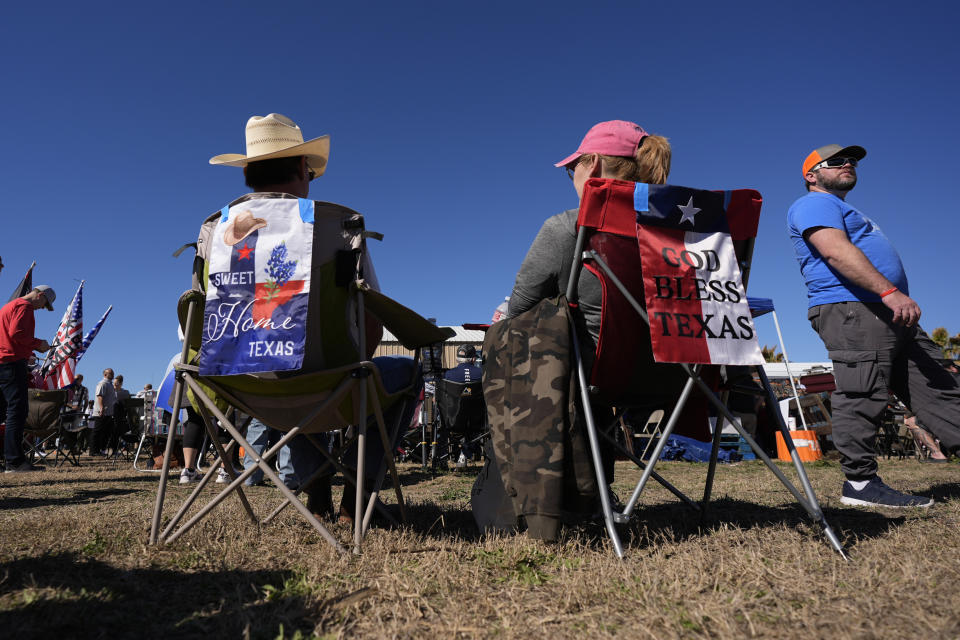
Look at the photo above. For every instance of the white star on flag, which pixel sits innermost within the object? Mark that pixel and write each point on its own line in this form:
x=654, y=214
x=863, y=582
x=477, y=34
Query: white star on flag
x=689, y=211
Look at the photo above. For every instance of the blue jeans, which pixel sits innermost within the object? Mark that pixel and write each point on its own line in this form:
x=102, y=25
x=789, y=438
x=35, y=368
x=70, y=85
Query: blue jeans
x=13, y=384
x=261, y=437
x=395, y=371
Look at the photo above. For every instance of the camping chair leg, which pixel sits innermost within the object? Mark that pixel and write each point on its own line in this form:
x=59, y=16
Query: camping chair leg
x=263, y=464
x=136, y=456
x=235, y=485
x=168, y=450
x=387, y=462
x=223, y=460
x=815, y=511
x=423, y=431
x=808, y=501
x=714, y=454
x=434, y=437
x=200, y=486
x=331, y=462
x=64, y=451
x=303, y=485
x=359, y=414
x=656, y=476
x=388, y=447
x=627, y=434
x=602, y=487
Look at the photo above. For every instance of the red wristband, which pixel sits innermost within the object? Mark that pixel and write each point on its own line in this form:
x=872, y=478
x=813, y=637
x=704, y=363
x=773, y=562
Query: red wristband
x=888, y=292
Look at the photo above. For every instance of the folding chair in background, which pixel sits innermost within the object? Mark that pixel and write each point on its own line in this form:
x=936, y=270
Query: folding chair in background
x=419, y=443
x=154, y=432
x=462, y=413
x=624, y=373
x=46, y=423
x=344, y=392
x=643, y=441
x=128, y=430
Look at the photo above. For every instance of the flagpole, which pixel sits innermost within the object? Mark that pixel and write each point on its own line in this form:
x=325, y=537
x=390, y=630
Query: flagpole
x=54, y=345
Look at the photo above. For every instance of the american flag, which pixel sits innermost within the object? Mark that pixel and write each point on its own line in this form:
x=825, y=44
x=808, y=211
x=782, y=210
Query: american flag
x=60, y=367
x=87, y=339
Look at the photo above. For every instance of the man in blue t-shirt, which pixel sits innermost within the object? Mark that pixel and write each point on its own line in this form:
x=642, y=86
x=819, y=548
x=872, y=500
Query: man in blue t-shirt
x=860, y=305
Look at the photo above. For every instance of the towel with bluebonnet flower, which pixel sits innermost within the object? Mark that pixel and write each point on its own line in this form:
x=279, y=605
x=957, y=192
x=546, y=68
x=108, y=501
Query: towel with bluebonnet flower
x=258, y=282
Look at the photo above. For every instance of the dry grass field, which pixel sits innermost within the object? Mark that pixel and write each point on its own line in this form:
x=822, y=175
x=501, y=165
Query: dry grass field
x=74, y=563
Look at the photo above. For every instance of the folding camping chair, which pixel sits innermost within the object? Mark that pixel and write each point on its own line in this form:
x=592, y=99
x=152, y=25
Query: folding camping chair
x=343, y=392
x=624, y=373
x=462, y=412
x=48, y=423
x=128, y=429
x=155, y=429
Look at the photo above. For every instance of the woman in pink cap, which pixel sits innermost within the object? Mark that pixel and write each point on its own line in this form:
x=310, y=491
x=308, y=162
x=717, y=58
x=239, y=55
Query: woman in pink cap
x=618, y=150
x=615, y=149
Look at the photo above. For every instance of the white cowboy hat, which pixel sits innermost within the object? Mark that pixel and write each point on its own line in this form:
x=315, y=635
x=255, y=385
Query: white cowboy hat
x=241, y=227
x=277, y=136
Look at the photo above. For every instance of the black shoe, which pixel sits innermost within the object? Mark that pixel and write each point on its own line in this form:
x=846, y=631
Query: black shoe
x=877, y=494
x=23, y=467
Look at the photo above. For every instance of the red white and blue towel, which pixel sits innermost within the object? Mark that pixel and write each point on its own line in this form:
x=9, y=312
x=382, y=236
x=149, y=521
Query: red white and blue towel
x=692, y=284
x=255, y=314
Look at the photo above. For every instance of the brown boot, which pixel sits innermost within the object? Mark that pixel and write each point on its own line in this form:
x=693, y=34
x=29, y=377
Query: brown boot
x=320, y=499
x=347, y=505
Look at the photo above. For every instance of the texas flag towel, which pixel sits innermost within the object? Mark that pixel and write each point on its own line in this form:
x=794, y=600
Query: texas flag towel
x=694, y=293
x=255, y=314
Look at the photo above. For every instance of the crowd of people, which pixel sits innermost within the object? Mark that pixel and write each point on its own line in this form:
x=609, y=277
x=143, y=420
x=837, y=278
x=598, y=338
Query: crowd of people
x=858, y=293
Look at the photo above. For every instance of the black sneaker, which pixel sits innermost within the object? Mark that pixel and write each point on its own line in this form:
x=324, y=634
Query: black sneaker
x=23, y=467
x=877, y=494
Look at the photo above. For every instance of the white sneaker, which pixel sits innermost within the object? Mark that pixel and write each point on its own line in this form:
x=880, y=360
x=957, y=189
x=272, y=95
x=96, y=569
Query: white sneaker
x=222, y=476
x=189, y=475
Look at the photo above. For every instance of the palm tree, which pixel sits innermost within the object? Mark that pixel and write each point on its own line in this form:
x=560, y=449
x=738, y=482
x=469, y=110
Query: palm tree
x=950, y=345
x=770, y=354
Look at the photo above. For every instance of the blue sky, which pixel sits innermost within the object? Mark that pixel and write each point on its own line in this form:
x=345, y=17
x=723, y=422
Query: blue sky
x=445, y=120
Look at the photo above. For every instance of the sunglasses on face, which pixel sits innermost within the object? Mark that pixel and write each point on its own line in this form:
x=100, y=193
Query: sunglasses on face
x=572, y=167
x=836, y=163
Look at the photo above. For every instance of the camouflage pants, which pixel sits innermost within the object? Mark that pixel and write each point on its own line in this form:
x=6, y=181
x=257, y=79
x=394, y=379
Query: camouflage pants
x=537, y=433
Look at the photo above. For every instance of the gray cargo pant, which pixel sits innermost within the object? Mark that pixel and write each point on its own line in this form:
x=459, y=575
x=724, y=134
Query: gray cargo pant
x=871, y=355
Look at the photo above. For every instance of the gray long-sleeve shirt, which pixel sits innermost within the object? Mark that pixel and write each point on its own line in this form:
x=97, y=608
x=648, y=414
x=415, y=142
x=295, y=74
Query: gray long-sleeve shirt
x=546, y=270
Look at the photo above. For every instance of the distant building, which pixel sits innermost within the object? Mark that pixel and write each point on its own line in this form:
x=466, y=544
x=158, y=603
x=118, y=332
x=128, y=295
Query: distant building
x=390, y=346
x=776, y=370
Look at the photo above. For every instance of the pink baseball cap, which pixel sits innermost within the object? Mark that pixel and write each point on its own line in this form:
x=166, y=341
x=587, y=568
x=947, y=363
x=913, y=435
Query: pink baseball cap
x=611, y=138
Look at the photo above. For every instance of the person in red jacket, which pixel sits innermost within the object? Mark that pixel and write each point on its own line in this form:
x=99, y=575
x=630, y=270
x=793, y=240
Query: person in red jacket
x=17, y=344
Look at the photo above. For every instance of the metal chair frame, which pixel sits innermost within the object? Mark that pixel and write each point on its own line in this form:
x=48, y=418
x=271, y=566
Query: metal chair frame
x=807, y=498
x=357, y=381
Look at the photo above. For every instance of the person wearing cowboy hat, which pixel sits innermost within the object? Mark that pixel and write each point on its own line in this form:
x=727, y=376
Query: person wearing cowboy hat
x=17, y=344
x=278, y=163
x=860, y=305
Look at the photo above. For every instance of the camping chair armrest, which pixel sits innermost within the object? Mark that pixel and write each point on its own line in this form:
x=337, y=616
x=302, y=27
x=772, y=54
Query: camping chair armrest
x=183, y=304
x=411, y=329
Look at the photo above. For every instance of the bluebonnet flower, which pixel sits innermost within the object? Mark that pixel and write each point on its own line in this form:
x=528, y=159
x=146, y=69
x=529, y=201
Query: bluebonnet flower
x=279, y=270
